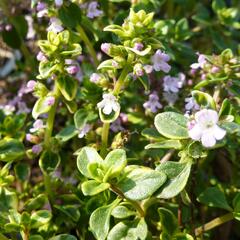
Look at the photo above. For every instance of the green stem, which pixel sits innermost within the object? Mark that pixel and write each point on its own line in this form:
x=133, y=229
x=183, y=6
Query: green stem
x=51, y=117
x=214, y=223
x=105, y=132
x=105, y=128
x=47, y=140
x=88, y=44
x=135, y=204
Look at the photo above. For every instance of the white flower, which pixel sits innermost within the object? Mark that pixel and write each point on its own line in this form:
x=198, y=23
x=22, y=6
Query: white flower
x=92, y=10
x=159, y=60
x=153, y=103
x=58, y=3
x=84, y=130
x=191, y=104
x=55, y=25
x=8, y=109
x=95, y=78
x=205, y=128
x=109, y=104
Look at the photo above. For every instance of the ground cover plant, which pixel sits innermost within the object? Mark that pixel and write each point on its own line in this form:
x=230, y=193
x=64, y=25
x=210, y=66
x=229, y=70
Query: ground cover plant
x=119, y=120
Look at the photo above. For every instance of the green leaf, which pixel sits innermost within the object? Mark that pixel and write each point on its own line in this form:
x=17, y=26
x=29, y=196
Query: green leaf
x=22, y=171
x=49, y=161
x=174, y=144
x=129, y=230
x=108, y=65
x=236, y=207
x=141, y=183
x=63, y=237
x=40, y=107
x=108, y=118
x=171, y=125
x=67, y=133
x=196, y=150
x=100, y=220
x=231, y=127
x=11, y=149
x=213, y=197
x=152, y=134
x=203, y=99
x=115, y=162
x=122, y=212
x=183, y=236
x=115, y=29
x=8, y=200
x=68, y=87
x=40, y=218
x=74, y=50
x=36, y=202
x=36, y=237
x=142, y=53
x=87, y=155
x=93, y=187
x=169, y=223
x=80, y=118
x=13, y=227
x=70, y=15
x=12, y=38
x=70, y=211
x=46, y=69
x=177, y=176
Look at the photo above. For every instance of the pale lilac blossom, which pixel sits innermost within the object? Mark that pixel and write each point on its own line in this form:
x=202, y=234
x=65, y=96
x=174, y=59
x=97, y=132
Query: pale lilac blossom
x=41, y=56
x=95, y=78
x=50, y=100
x=160, y=60
x=31, y=32
x=36, y=149
x=170, y=97
x=116, y=126
x=58, y=3
x=191, y=104
x=72, y=69
x=138, y=46
x=105, y=47
x=109, y=104
x=206, y=129
x=173, y=84
x=93, y=10
x=201, y=62
x=8, y=109
x=84, y=130
x=30, y=86
x=55, y=25
x=37, y=125
x=153, y=103
x=148, y=68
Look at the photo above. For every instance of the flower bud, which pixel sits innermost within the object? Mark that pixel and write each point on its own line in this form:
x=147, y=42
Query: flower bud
x=138, y=46
x=50, y=101
x=138, y=70
x=105, y=47
x=215, y=69
x=73, y=69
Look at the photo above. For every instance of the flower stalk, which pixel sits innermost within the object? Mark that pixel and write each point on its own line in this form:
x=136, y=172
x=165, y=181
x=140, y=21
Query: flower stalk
x=105, y=128
x=214, y=223
x=88, y=44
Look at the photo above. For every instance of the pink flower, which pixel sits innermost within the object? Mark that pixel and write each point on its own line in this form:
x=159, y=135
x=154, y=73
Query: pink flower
x=30, y=86
x=37, y=125
x=138, y=46
x=83, y=131
x=95, y=78
x=41, y=56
